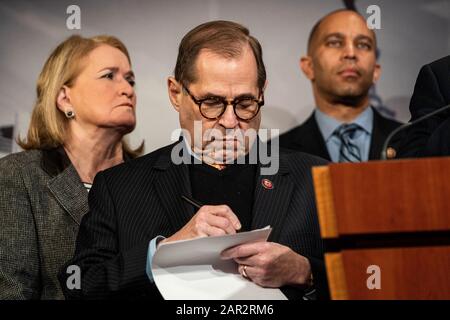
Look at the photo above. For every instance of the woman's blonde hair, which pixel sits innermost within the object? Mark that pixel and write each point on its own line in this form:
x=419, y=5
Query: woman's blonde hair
x=48, y=125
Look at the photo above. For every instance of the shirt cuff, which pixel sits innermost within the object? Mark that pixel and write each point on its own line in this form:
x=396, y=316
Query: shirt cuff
x=150, y=254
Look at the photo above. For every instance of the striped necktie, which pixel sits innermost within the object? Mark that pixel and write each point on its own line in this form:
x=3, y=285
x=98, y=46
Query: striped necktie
x=349, y=151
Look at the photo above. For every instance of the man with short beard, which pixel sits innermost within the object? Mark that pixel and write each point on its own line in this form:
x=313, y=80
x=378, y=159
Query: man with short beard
x=341, y=64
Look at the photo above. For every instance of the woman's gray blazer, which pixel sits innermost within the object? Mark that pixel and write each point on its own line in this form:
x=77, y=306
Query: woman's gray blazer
x=42, y=201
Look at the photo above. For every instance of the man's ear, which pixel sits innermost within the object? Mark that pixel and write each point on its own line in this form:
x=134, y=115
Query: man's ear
x=175, y=92
x=63, y=100
x=376, y=73
x=306, y=64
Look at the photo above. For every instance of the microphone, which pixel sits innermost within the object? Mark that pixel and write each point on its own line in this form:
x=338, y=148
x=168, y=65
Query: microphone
x=406, y=125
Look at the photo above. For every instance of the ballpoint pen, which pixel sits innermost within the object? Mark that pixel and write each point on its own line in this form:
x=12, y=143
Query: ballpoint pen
x=195, y=203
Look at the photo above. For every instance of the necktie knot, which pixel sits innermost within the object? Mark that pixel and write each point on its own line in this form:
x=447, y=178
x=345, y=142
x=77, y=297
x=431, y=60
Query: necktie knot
x=348, y=151
x=347, y=131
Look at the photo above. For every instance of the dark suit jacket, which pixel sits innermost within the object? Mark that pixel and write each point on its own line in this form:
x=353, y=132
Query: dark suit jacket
x=308, y=138
x=132, y=203
x=431, y=92
x=42, y=201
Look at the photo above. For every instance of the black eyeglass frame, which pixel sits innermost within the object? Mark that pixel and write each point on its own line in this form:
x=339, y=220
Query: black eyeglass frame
x=226, y=103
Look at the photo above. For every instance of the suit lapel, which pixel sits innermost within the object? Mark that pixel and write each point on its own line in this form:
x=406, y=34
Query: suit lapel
x=379, y=134
x=65, y=184
x=312, y=139
x=172, y=181
x=70, y=193
x=271, y=205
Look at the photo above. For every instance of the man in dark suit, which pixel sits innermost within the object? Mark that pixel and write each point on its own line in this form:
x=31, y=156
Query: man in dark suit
x=431, y=92
x=341, y=64
x=218, y=88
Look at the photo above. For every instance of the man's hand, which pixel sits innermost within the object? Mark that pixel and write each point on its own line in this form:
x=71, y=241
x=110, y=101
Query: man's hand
x=270, y=264
x=208, y=221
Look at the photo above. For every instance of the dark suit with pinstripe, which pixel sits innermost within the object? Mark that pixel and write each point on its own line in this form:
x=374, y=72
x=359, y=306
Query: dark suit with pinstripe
x=132, y=203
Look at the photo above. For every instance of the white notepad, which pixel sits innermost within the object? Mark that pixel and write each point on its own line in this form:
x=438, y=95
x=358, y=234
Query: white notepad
x=193, y=270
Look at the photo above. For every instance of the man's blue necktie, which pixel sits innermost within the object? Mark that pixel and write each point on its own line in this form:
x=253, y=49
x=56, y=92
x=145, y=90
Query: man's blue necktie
x=349, y=151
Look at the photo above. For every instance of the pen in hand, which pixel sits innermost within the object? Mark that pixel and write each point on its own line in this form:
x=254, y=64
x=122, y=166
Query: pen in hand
x=195, y=203
x=198, y=205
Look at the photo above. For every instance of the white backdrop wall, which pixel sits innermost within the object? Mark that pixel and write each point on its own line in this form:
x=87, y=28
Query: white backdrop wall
x=414, y=32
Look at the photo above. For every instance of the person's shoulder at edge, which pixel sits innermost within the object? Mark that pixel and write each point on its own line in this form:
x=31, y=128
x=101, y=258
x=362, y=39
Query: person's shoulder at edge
x=294, y=156
x=392, y=122
x=440, y=62
x=20, y=160
x=388, y=120
x=146, y=161
x=298, y=129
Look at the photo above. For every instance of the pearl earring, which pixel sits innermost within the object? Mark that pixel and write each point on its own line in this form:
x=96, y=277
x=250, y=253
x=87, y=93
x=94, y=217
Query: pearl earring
x=70, y=114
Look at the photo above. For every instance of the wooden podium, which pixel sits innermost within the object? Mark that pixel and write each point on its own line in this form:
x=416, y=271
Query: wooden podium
x=391, y=215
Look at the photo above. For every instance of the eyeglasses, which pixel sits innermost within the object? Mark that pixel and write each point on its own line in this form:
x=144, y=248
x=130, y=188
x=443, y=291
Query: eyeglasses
x=213, y=108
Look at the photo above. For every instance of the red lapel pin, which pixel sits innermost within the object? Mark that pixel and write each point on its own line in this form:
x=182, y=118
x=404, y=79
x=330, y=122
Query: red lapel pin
x=267, y=184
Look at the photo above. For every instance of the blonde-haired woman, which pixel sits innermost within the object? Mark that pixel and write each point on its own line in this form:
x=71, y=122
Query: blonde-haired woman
x=85, y=105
